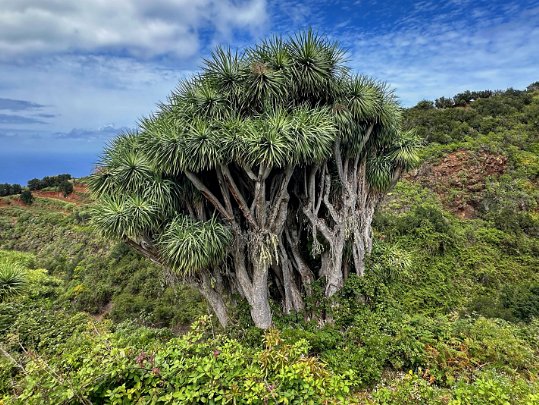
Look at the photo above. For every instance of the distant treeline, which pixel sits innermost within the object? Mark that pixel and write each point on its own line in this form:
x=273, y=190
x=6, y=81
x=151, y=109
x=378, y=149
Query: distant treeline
x=49, y=181
x=61, y=182
x=10, y=189
x=466, y=97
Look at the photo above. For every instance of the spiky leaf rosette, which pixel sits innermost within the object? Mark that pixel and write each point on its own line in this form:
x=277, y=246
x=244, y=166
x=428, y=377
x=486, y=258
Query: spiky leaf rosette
x=125, y=217
x=12, y=280
x=404, y=149
x=190, y=246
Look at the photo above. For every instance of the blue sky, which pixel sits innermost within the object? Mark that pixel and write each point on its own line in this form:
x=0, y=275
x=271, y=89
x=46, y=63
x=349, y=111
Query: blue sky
x=74, y=73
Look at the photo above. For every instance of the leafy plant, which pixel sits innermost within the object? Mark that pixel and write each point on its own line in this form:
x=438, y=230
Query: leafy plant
x=12, y=279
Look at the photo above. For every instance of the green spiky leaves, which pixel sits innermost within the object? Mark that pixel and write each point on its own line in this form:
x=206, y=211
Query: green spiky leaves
x=275, y=138
x=12, y=280
x=404, y=150
x=190, y=246
x=130, y=217
x=379, y=170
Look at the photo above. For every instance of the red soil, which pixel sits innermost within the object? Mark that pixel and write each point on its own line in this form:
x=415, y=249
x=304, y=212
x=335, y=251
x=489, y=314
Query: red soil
x=79, y=196
x=463, y=173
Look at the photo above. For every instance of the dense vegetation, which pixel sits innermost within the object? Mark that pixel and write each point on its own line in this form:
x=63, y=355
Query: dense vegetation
x=48, y=181
x=27, y=197
x=61, y=183
x=447, y=312
x=9, y=189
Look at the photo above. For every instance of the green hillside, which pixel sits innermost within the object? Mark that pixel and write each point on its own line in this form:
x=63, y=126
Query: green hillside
x=447, y=313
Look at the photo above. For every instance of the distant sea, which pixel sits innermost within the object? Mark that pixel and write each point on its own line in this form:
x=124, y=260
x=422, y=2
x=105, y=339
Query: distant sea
x=19, y=167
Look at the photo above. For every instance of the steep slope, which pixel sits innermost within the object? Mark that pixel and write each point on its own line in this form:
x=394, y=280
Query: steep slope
x=101, y=277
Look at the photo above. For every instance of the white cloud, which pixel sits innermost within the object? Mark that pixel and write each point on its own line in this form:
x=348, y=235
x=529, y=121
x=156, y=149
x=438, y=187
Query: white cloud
x=428, y=60
x=90, y=91
x=140, y=28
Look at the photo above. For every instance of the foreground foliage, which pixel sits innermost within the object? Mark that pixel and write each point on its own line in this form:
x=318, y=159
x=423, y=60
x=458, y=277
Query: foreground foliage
x=12, y=279
x=68, y=357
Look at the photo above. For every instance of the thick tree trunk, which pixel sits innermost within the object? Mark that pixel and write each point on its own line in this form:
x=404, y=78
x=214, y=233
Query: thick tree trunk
x=358, y=253
x=334, y=275
x=253, y=287
x=362, y=245
x=260, y=308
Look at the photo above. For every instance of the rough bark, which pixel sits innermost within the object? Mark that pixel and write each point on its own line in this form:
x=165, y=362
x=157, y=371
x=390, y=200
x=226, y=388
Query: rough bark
x=293, y=300
x=214, y=298
x=269, y=216
x=260, y=308
x=334, y=274
x=306, y=274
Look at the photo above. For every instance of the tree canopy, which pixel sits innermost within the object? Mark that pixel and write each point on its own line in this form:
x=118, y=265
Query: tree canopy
x=259, y=175
x=9, y=189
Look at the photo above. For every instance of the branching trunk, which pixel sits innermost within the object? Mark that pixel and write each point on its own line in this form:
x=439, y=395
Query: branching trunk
x=208, y=288
x=306, y=274
x=334, y=199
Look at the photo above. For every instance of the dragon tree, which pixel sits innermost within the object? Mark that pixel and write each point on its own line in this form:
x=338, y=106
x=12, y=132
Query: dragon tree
x=259, y=175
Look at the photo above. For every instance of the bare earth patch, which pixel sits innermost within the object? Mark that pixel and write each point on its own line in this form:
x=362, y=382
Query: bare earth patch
x=460, y=177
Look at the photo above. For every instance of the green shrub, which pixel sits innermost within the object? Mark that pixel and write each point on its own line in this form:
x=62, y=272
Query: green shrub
x=407, y=389
x=495, y=389
x=27, y=197
x=192, y=369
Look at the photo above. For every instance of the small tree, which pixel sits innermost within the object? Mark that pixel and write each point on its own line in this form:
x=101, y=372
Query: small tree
x=9, y=189
x=260, y=175
x=444, y=102
x=533, y=87
x=424, y=105
x=35, y=184
x=16, y=189
x=463, y=99
x=65, y=187
x=27, y=197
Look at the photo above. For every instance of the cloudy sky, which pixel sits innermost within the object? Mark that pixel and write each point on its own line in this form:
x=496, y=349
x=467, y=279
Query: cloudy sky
x=74, y=73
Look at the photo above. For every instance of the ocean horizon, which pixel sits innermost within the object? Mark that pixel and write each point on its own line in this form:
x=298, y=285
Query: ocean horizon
x=19, y=166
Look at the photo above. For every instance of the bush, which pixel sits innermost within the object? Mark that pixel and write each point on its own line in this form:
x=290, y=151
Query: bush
x=9, y=189
x=65, y=187
x=495, y=389
x=27, y=197
x=522, y=301
x=408, y=389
